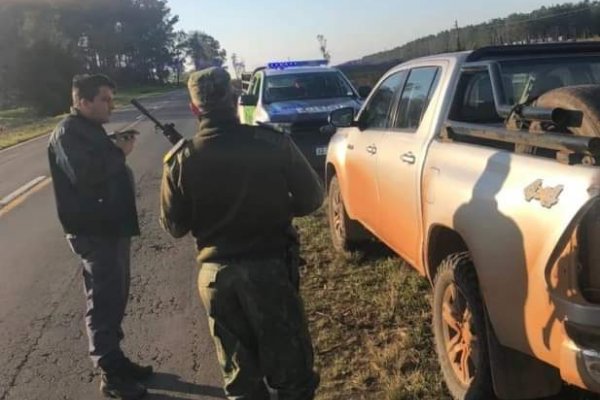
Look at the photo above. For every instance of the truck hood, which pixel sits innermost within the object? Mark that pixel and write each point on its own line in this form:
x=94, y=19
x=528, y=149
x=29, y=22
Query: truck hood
x=303, y=110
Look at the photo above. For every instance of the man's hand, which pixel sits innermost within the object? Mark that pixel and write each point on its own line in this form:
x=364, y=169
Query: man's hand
x=125, y=141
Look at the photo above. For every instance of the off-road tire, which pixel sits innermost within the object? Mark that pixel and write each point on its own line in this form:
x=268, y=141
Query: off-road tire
x=457, y=271
x=346, y=234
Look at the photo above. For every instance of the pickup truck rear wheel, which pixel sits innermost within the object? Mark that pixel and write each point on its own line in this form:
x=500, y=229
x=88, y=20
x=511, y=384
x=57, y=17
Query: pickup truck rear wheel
x=585, y=98
x=459, y=329
x=346, y=234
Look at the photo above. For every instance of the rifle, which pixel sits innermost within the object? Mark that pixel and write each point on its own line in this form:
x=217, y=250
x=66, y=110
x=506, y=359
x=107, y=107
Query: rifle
x=167, y=129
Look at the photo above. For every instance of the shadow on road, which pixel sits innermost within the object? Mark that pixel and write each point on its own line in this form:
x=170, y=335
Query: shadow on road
x=175, y=386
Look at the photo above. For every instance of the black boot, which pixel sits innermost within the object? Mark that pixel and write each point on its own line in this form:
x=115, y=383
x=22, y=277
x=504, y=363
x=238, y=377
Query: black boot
x=119, y=387
x=128, y=368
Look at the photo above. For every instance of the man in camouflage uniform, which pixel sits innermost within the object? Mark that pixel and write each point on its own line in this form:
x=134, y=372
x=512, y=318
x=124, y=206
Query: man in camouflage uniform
x=236, y=188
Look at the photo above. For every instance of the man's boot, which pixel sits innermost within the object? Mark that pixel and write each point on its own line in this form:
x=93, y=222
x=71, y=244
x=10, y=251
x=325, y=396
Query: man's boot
x=128, y=368
x=117, y=386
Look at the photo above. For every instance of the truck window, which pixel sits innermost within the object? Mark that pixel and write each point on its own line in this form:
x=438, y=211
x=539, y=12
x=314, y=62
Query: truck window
x=415, y=97
x=595, y=72
x=527, y=79
x=377, y=113
x=475, y=98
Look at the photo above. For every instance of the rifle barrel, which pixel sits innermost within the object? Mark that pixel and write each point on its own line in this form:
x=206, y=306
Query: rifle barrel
x=143, y=110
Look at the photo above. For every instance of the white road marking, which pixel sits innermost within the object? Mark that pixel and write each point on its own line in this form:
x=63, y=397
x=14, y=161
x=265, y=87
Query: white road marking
x=21, y=191
x=45, y=135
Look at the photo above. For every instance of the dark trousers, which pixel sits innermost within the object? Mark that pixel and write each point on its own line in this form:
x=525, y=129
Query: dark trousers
x=106, y=280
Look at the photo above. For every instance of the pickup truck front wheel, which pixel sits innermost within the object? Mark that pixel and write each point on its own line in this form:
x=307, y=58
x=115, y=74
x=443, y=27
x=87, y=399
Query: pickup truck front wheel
x=346, y=234
x=459, y=329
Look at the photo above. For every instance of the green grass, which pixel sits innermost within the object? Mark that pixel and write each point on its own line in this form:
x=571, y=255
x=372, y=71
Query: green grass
x=123, y=96
x=369, y=316
x=20, y=124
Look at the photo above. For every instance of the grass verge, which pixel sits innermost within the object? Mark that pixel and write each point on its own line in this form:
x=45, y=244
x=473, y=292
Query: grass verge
x=19, y=125
x=122, y=97
x=369, y=315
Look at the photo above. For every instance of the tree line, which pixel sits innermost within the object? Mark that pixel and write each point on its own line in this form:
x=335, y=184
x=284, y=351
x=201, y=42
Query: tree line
x=569, y=21
x=43, y=43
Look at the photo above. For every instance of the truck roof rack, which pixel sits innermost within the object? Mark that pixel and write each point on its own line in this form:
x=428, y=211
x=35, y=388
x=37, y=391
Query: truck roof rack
x=493, y=52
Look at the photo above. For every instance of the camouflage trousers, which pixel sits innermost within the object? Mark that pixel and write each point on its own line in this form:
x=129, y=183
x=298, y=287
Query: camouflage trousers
x=260, y=331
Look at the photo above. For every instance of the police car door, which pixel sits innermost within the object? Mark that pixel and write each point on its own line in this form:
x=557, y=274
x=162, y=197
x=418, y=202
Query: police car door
x=362, y=148
x=247, y=113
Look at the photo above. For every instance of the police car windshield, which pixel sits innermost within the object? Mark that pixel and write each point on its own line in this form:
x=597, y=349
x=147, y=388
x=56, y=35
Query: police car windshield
x=305, y=86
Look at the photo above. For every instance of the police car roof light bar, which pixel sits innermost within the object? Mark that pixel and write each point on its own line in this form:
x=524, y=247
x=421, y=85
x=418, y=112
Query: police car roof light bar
x=292, y=64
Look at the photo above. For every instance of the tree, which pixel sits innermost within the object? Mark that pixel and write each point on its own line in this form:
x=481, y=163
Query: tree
x=560, y=22
x=133, y=41
x=178, y=54
x=204, y=51
x=10, y=44
x=47, y=91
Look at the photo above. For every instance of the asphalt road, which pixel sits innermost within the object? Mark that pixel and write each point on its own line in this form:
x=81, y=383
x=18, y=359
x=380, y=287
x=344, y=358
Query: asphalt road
x=42, y=336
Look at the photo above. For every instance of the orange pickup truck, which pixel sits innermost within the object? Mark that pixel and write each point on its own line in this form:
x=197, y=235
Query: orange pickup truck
x=480, y=169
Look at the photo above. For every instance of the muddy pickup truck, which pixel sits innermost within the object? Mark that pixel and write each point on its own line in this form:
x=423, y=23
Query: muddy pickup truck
x=480, y=169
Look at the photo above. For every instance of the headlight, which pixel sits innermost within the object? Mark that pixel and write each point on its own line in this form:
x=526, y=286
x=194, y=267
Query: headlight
x=591, y=360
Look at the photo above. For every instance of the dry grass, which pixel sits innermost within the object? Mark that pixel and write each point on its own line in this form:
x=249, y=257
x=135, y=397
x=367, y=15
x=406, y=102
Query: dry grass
x=369, y=316
x=19, y=125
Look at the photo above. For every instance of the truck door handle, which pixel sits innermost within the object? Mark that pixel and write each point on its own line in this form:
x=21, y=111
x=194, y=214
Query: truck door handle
x=372, y=149
x=350, y=146
x=409, y=158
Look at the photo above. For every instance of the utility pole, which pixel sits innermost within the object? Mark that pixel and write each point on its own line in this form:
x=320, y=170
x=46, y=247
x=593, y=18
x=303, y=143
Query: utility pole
x=323, y=47
x=458, y=46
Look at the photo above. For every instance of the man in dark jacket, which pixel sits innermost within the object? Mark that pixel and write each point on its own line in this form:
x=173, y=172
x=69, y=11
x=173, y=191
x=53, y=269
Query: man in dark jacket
x=236, y=188
x=95, y=199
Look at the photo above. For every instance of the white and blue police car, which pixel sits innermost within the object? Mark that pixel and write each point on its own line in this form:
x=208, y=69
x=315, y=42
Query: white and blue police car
x=296, y=97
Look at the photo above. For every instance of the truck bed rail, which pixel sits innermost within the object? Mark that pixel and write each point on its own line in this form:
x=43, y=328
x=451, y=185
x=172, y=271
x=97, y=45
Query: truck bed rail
x=571, y=149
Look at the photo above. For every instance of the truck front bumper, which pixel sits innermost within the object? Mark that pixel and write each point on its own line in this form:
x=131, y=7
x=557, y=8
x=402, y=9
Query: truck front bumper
x=580, y=351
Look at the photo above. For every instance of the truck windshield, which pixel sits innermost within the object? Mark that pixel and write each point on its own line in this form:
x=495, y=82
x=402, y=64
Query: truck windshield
x=526, y=80
x=305, y=86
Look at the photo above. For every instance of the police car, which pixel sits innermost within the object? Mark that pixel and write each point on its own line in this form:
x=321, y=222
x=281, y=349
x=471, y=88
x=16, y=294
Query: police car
x=296, y=97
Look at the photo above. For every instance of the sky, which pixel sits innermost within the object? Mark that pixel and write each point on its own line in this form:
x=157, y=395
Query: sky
x=260, y=31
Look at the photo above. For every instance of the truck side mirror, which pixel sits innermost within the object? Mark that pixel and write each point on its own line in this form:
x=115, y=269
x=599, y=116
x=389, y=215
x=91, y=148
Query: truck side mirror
x=342, y=118
x=248, y=100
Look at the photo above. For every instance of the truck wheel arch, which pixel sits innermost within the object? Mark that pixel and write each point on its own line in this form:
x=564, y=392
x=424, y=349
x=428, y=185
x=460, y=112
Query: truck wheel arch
x=541, y=378
x=442, y=242
x=330, y=172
